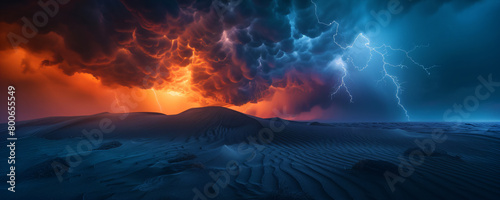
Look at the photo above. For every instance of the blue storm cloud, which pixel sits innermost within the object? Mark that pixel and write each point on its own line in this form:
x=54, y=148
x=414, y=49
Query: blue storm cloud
x=251, y=46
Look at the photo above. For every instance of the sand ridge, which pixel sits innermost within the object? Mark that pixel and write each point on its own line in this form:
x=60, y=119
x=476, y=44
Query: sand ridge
x=155, y=156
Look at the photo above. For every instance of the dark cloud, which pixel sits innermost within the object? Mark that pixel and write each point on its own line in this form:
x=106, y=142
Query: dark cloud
x=236, y=54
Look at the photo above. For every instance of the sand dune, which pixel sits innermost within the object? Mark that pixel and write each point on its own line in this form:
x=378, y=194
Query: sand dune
x=155, y=156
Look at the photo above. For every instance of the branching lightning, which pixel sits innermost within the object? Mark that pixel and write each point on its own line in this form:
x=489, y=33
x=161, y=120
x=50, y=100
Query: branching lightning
x=339, y=62
x=382, y=51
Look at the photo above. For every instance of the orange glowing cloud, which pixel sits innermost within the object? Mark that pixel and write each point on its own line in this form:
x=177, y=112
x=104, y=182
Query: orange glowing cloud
x=130, y=57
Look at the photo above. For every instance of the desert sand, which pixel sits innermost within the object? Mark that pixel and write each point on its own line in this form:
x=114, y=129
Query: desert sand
x=217, y=153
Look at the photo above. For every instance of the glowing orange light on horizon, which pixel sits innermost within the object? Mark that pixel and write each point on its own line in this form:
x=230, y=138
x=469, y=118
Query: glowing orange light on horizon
x=171, y=96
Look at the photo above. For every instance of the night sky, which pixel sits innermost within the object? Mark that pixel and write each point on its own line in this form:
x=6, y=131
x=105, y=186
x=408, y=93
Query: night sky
x=264, y=58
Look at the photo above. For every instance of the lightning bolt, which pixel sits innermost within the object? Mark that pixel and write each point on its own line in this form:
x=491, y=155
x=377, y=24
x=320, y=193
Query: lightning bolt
x=156, y=97
x=382, y=51
x=342, y=64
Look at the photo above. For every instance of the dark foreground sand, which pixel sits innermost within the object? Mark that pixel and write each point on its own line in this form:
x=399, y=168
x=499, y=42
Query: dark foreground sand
x=216, y=153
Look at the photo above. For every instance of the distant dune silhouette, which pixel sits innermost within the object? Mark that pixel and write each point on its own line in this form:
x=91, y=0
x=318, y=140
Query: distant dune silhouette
x=156, y=156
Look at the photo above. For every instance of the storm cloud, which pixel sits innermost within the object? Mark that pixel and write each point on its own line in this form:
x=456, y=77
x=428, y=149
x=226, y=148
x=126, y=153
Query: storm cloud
x=236, y=52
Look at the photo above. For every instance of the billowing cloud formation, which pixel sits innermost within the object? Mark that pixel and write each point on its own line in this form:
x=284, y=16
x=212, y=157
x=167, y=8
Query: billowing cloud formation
x=230, y=52
x=235, y=52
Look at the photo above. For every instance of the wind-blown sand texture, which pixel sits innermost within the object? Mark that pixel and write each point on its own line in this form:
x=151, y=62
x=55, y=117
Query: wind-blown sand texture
x=155, y=156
